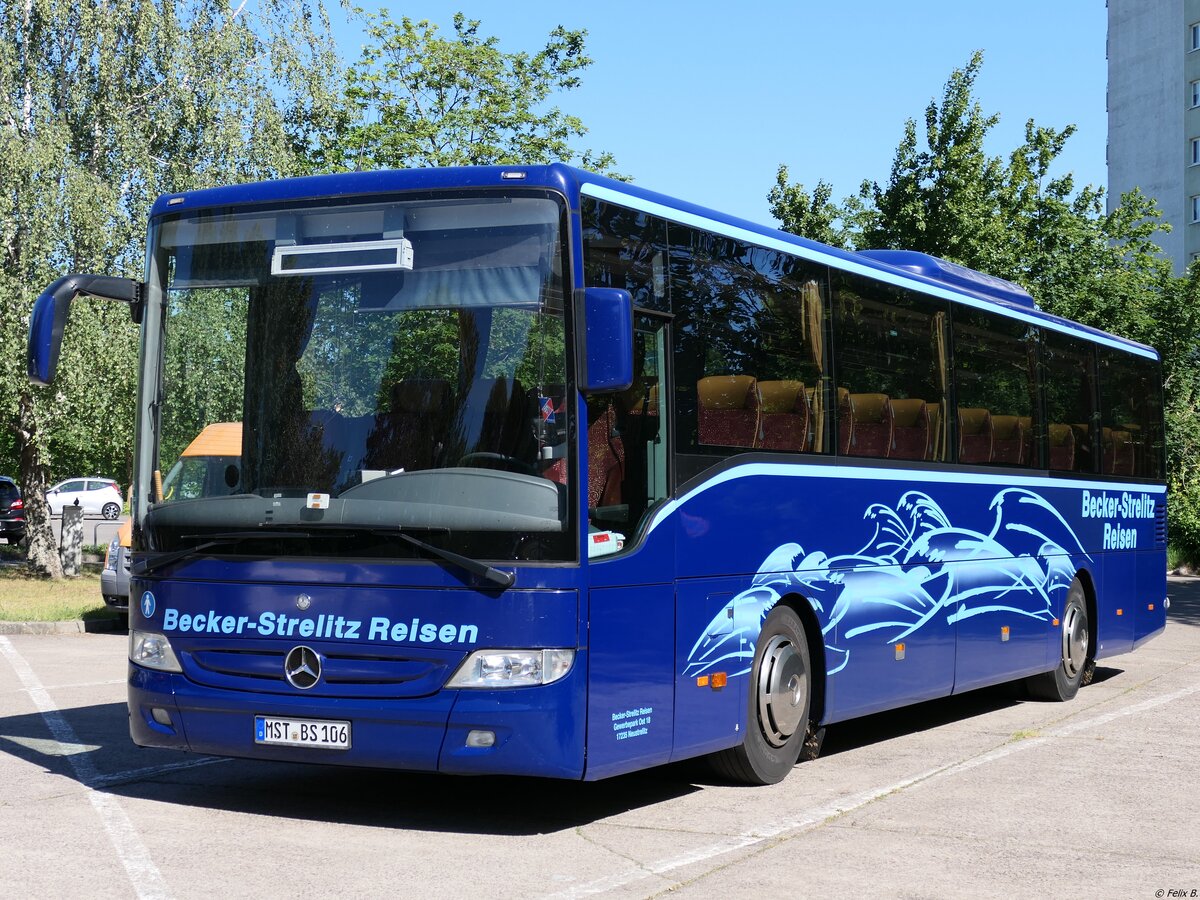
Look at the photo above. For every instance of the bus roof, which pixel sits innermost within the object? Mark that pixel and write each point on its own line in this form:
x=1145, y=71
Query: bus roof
x=218, y=439
x=902, y=268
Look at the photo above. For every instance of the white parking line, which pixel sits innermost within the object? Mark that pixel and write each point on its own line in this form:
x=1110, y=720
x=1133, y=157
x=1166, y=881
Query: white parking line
x=143, y=874
x=813, y=817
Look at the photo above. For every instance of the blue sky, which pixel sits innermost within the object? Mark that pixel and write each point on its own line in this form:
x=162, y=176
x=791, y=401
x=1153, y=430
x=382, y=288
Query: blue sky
x=705, y=100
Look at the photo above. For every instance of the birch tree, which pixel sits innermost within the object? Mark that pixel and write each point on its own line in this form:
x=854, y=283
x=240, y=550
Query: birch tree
x=103, y=106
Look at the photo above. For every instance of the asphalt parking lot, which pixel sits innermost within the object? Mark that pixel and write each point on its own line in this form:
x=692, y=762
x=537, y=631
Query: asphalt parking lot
x=980, y=795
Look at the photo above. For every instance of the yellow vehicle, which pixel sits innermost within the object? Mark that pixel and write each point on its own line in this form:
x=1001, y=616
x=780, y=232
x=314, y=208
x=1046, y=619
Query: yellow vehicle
x=209, y=465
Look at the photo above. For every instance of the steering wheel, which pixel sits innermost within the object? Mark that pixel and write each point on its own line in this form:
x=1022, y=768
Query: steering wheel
x=501, y=461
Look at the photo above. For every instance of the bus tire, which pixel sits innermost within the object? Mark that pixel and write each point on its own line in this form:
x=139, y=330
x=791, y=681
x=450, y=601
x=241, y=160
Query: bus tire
x=779, y=700
x=1075, y=661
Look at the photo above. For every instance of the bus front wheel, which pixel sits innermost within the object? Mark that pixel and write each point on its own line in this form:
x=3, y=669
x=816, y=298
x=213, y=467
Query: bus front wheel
x=779, y=700
x=1063, y=683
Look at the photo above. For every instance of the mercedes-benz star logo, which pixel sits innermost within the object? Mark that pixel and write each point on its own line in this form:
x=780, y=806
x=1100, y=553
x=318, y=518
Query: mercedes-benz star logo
x=302, y=667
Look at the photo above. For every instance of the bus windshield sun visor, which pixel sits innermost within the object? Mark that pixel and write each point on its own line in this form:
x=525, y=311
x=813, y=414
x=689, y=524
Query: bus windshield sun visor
x=359, y=256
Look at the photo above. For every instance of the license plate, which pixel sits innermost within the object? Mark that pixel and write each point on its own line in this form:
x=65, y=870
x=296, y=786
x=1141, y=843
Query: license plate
x=323, y=733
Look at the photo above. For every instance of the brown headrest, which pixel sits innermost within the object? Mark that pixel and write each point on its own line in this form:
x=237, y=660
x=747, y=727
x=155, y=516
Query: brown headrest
x=907, y=413
x=779, y=396
x=725, y=391
x=1061, y=435
x=868, y=407
x=1004, y=427
x=1117, y=438
x=972, y=420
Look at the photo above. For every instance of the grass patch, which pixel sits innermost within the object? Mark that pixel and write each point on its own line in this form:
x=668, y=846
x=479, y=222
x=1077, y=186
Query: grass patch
x=1024, y=735
x=27, y=598
x=1181, y=561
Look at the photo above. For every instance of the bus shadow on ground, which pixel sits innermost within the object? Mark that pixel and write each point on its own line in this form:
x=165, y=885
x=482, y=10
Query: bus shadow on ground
x=103, y=758
x=932, y=714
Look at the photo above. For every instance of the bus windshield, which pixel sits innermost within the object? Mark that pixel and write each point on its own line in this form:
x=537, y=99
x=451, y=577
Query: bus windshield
x=391, y=367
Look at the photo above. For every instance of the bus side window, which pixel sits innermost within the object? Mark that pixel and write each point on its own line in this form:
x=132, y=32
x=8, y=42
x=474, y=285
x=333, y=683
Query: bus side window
x=1069, y=388
x=890, y=354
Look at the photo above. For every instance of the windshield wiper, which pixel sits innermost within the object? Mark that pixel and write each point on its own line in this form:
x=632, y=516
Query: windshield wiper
x=474, y=566
x=219, y=539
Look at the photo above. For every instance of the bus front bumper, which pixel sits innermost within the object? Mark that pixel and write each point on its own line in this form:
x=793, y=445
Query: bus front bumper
x=534, y=731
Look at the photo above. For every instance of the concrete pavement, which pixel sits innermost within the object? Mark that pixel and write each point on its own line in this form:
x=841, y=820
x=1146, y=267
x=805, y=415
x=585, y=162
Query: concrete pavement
x=982, y=795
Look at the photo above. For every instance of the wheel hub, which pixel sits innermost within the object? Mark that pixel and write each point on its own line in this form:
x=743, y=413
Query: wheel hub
x=1075, y=641
x=782, y=691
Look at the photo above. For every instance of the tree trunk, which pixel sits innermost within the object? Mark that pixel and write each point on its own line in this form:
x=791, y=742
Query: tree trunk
x=43, y=553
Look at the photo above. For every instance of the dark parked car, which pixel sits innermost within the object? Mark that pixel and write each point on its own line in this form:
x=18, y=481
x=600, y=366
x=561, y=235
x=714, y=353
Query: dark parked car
x=114, y=578
x=12, y=511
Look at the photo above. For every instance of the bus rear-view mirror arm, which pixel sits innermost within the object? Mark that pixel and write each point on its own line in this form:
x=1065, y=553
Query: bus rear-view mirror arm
x=50, y=316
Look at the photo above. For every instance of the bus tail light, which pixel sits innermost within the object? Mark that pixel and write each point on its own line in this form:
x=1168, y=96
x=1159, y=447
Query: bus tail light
x=512, y=668
x=153, y=651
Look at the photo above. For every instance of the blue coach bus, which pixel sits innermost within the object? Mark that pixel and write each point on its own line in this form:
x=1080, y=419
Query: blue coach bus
x=546, y=474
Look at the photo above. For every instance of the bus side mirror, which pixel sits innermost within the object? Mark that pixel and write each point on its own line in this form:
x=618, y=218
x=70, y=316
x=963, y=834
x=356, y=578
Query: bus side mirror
x=606, y=341
x=50, y=311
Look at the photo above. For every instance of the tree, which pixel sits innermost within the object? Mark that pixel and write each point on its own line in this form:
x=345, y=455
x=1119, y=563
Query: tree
x=425, y=100
x=103, y=106
x=813, y=216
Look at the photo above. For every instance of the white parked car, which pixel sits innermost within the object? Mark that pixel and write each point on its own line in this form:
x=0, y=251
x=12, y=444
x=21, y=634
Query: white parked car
x=97, y=496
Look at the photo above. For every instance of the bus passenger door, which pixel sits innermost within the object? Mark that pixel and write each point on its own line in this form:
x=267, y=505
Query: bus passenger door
x=631, y=609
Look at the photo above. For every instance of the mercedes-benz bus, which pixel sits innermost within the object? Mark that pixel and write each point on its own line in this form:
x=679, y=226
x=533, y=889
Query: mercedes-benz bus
x=542, y=473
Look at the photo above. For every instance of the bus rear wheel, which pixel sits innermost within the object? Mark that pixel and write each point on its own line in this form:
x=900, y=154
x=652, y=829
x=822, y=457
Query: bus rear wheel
x=779, y=700
x=1063, y=683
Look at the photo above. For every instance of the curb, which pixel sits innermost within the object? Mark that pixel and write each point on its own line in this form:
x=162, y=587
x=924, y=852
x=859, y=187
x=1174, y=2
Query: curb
x=72, y=626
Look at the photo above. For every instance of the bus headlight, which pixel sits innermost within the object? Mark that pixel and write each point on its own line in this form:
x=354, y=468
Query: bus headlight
x=511, y=668
x=146, y=648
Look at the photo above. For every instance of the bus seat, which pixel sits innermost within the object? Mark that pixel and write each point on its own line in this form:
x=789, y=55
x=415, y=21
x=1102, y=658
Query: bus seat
x=974, y=435
x=936, y=444
x=1139, y=446
x=866, y=425
x=784, y=415
x=1025, y=423
x=728, y=410
x=606, y=456
x=1062, y=448
x=910, y=429
x=1118, y=451
x=1008, y=440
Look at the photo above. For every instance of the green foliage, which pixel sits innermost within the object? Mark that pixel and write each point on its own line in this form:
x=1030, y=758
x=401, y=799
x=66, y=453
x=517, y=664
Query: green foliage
x=102, y=106
x=1018, y=220
x=420, y=99
x=814, y=215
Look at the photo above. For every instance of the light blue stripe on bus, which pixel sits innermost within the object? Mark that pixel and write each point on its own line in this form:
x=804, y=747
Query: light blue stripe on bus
x=753, y=237
x=800, y=470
